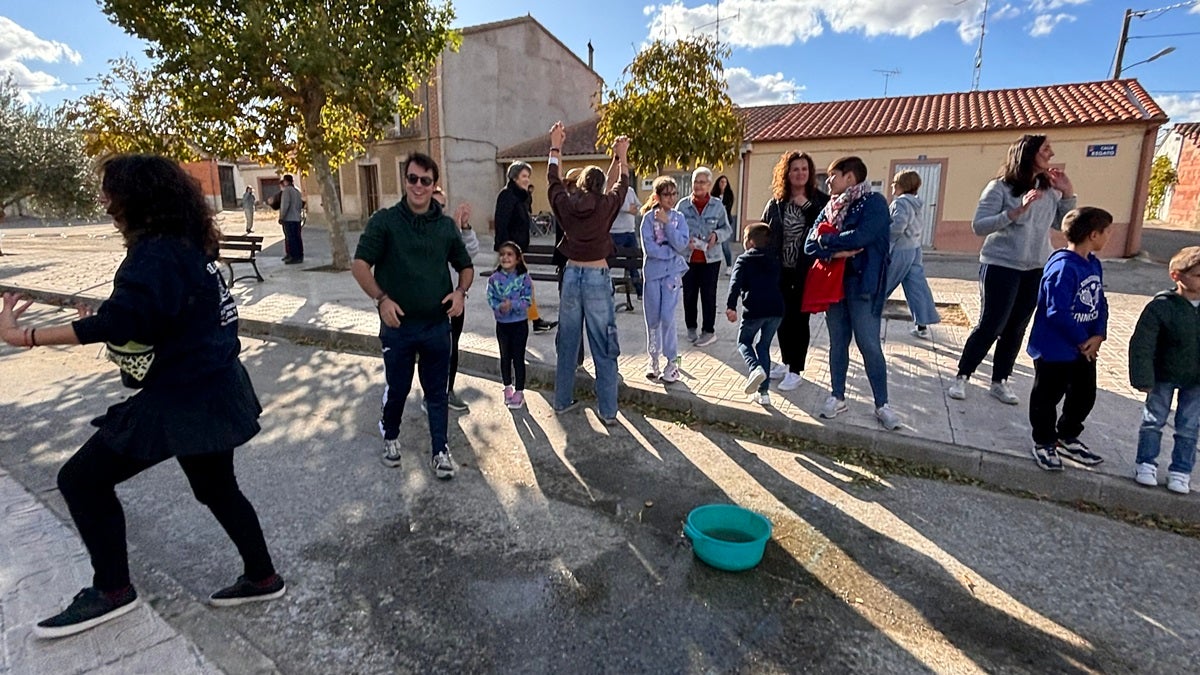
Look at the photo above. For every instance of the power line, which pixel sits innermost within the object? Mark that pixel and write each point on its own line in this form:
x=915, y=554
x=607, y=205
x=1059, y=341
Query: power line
x=1162, y=35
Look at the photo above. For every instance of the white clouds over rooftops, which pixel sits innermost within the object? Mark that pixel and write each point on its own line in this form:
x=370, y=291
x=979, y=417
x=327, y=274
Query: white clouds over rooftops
x=767, y=23
x=18, y=44
x=1179, y=108
x=1044, y=24
x=746, y=90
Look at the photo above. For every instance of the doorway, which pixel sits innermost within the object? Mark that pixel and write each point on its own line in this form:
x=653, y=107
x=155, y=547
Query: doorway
x=368, y=186
x=931, y=188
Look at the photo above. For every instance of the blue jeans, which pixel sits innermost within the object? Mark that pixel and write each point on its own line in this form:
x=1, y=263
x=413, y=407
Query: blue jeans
x=630, y=240
x=587, y=304
x=758, y=354
x=425, y=347
x=293, y=241
x=1187, y=421
x=907, y=269
x=853, y=317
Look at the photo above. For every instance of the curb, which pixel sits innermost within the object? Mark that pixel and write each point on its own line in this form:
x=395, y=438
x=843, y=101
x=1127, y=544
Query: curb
x=993, y=468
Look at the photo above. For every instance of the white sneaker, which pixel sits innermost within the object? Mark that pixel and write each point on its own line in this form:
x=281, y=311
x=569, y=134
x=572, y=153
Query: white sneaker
x=888, y=417
x=706, y=339
x=1004, y=393
x=763, y=399
x=652, y=372
x=921, y=332
x=755, y=378
x=790, y=382
x=833, y=406
x=391, y=453
x=1179, y=482
x=958, y=390
x=1146, y=474
x=670, y=373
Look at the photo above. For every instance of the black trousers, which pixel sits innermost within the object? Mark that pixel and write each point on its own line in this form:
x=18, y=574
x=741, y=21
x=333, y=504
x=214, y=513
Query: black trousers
x=456, y=329
x=1052, y=381
x=512, y=338
x=88, y=481
x=1009, y=298
x=794, y=335
x=701, y=281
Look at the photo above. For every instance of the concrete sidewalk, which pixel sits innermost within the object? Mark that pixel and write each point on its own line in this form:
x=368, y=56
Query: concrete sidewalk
x=979, y=437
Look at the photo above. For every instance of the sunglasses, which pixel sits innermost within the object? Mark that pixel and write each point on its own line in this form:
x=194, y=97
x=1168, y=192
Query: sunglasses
x=413, y=179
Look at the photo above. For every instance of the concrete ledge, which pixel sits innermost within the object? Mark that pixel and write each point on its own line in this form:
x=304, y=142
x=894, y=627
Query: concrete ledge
x=1001, y=470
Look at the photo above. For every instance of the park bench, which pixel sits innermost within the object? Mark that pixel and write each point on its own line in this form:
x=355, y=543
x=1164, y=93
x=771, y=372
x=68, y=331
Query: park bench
x=240, y=248
x=540, y=261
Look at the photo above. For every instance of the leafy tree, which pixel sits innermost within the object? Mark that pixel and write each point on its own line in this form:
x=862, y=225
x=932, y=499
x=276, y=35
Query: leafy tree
x=673, y=103
x=134, y=111
x=1162, y=177
x=42, y=160
x=299, y=85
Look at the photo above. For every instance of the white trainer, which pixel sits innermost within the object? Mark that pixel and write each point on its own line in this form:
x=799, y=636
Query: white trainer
x=888, y=417
x=1004, y=393
x=958, y=390
x=833, y=407
x=1179, y=482
x=790, y=382
x=1146, y=474
x=754, y=379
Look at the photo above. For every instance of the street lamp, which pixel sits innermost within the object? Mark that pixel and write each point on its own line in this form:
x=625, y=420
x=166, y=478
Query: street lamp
x=1158, y=55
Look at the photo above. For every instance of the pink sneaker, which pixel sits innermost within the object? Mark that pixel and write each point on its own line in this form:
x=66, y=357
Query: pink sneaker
x=508, y=396
x=517, y=401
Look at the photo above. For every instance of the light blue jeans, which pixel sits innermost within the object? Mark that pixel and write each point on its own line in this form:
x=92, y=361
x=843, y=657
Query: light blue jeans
x=757, y=353
x=1187, y=422
x=906, y=268
x=852, y=317
x=661, y=301
x=586, y=303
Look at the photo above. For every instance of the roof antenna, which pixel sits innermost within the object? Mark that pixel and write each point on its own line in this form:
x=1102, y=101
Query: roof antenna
x=979, y=50
x=887, y=75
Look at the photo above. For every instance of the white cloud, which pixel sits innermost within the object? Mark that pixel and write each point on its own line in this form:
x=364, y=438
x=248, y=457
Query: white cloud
x=1179, y=108
x=746, y=90
x=1044, y=24
x=1043, y=6
x=1005, y=12
x=18, y=44
x=766, y=23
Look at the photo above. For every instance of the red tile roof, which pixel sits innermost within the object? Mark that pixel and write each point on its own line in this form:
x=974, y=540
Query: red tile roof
x=1190, y=131
x=1061, y=105
x=1058, y=105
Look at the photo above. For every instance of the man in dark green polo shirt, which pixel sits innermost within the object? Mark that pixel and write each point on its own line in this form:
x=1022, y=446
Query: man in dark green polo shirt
x=401, y=264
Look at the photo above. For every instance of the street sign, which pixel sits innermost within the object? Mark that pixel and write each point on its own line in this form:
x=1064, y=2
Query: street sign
x=1105, y=150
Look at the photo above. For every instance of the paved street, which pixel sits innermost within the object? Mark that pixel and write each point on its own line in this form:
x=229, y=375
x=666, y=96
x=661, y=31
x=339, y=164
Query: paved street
x=558, y=549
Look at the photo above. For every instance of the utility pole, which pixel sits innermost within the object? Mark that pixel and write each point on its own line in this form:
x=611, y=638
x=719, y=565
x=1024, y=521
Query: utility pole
x=1116, y=73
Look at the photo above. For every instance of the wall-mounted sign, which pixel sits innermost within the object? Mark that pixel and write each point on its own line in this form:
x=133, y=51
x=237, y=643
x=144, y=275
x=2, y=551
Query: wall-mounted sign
x=1106, y=150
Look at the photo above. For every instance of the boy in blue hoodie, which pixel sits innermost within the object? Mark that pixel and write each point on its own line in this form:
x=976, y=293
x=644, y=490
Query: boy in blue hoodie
x=755, y=280
x=1070, y=323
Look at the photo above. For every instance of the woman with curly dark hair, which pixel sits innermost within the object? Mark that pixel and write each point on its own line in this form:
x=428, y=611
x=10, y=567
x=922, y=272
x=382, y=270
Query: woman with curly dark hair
x=171, y=327
x=796, y=202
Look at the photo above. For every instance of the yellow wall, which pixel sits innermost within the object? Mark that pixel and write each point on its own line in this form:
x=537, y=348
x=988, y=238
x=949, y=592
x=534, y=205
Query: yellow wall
x=969, y=161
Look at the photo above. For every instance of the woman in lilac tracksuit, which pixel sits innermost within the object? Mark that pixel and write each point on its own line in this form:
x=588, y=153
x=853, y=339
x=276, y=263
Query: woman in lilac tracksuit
x=665, y=240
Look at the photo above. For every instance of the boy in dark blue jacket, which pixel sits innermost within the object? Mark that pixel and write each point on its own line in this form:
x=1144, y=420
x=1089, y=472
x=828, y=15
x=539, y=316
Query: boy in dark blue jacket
x=1070, y=323
x=755, y=280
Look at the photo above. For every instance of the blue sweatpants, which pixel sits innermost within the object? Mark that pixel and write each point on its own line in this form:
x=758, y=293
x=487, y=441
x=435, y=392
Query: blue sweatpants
x=659, y=303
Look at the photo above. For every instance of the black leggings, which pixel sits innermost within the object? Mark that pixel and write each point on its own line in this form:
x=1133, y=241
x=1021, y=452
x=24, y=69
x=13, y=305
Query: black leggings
x=1009, y=298
x=456, y=329
x=700, y=281
x=512, y=338
x=88, y=481
x=794, y=336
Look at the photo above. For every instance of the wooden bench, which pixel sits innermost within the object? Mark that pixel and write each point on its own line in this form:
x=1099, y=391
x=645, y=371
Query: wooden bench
x=241, y=248
x=540, y=261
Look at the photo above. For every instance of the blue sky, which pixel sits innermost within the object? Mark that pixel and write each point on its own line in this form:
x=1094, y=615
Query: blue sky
x=783, y=50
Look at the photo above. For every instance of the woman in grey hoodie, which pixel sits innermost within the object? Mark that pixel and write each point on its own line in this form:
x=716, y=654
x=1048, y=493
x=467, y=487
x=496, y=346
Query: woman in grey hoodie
x=1015, y=214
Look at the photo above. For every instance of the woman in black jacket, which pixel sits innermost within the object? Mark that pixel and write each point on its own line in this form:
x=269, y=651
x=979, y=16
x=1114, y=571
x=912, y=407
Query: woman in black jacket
x=791, y=213
x=513, y=221
x=171, y=327
x=724, y=192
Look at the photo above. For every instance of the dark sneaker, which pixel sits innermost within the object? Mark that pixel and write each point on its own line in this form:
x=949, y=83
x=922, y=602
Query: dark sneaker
x=456, y=404
x=569, y=407
x=90, y=608
x=244, y=590
x=543, y=326
x=443, y=465
x=1074, y=450
x=1046, y=457
x=294, y=261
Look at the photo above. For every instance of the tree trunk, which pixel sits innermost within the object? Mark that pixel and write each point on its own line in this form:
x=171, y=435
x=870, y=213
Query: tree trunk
x=331, y=203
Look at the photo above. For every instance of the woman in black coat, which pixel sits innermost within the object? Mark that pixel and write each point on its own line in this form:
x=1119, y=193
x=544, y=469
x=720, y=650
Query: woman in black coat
x=172, y=328
x=513, y=222
x=791, y=212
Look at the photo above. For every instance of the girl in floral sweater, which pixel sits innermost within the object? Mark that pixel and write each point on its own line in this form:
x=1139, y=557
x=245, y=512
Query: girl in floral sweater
x=510, y=291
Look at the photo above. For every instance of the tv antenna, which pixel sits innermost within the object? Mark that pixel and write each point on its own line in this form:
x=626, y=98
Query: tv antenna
x=887, y=75
x=979, y=51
